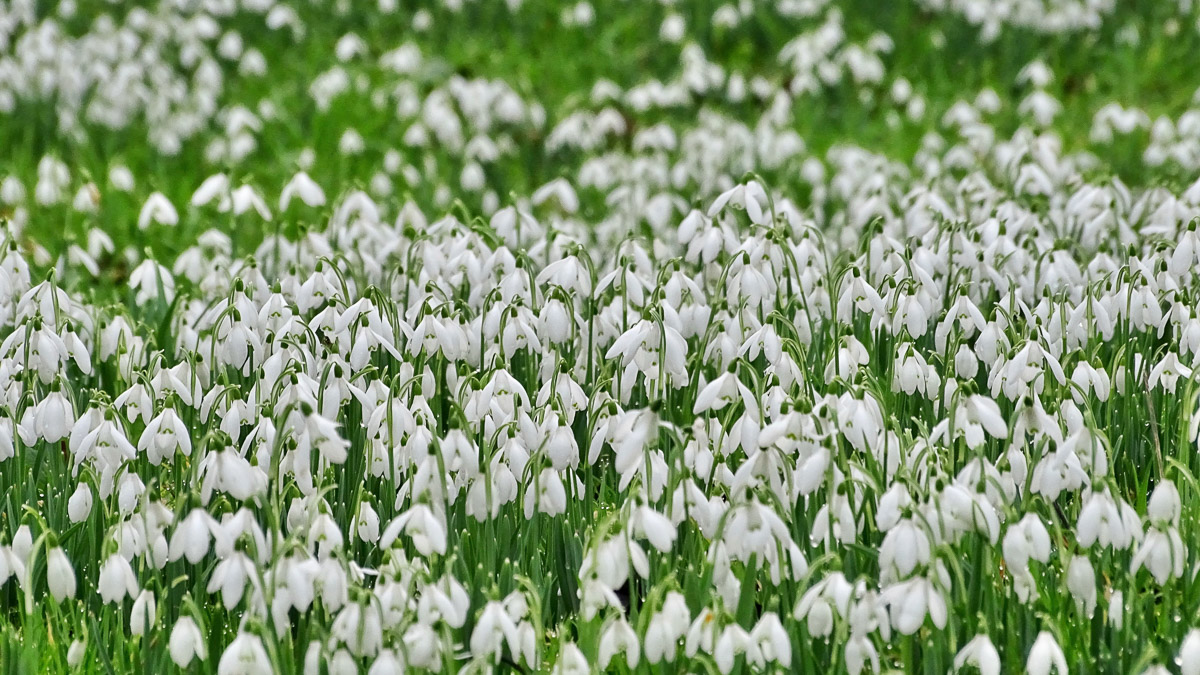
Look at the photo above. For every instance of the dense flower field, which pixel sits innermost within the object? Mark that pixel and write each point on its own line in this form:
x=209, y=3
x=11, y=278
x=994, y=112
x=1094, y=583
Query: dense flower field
x=648, y=337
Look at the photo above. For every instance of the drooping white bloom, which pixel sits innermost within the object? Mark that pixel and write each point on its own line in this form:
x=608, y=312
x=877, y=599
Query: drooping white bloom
x=1189, y=653
x=1116, y=610
x=1026, y=540
x=1161, y=552
x=116, y=579
x=60, y=575
x=1081, y=582
x=76, y=652
x=186, y=642
x=143, y=614
x=618, y=637
x=360, y=628
x=163, y=436
x=666, y=627
x=216, y=185
x=246, y=655
x=303, y=186
x=1045, y=656
x=149, y=280
x=571, y=661
x=157, y=209
x=246, y=198
x=980, y=653
x=51, y=419
x=749, y=196
x=909, y=602
x=1164, y=507
x=192, y=536
x=79, y=506
x=493, y=630
x=367, y=523
x=422, y=525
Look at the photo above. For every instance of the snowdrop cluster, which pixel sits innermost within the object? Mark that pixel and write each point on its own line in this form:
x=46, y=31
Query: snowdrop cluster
x=634, y=380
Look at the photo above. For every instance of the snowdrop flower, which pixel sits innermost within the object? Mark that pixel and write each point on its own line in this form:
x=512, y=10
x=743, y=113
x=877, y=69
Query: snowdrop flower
x=771, y=640
x=1161, y=552
x=388, y=662
x=672, y=28
x=367, y=523
x=186, y=642
x=60, y=575
x=666, y=628
x=1041, y=107
x=230, y=473
x=1189, y=653
x=51, y=419
x=720, y=393
x=87, y=199
x=303, y=186
x=702, y=634
x=909, y=602
x=11, y=565
x=1164, y=507
x=149, y=279
x=419, y=523
x=559, y=192
x=157, y=209
x=121, y=177
x=548, y=495
x=230, y=578
x=493, y=630
x=79, y=506
x=192, y=536
x=1045, y=656
x=143, y=614
x=245, y=656
x=571, y=661
x=12, y=191
x=656, y=527
x=1026, y=540
x=904, y=547
x=7, y=448
x=22, y=543
x=213, y=187
x=1081, y=582
x=734, y=640
x=420, y=643
x=980, y=414
x=1105, y=521
x=163, y=436
x=818, y=614
x=351, y=143
x=360, y=628
x=980, y=653
x=246, y=198
x=860, y=652
x=617, y=638
x=76, y=652
x=1116, y=610
x=53, y=176
x=1168, y=372
x=749, y=196
x=1089, y=378
x=116, y=580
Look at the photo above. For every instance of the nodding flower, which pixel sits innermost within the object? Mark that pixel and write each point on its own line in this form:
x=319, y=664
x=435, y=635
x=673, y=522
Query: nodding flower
x=980, y=653
x=245, y=655
x=157, y=209
x=1046, y=656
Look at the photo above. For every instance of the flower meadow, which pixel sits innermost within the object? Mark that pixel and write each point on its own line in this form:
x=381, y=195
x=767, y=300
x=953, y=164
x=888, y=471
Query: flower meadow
x=635, y=337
